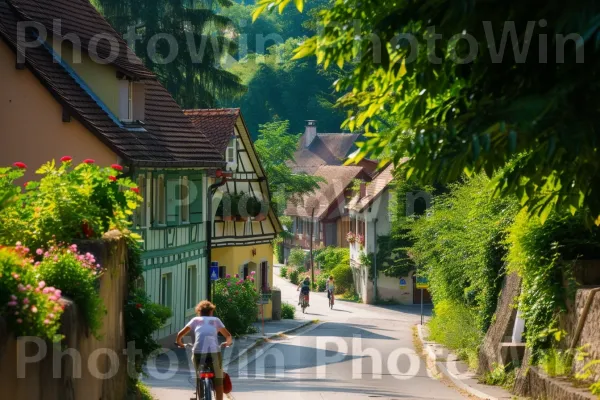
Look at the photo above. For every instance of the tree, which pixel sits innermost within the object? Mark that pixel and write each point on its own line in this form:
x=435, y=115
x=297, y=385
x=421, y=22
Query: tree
x=194, y=76
x=529, y=104
x=276, y=147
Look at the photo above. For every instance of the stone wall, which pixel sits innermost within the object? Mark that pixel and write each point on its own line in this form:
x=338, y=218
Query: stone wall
x=590, y=334
x=502, y=325
x=98, y=368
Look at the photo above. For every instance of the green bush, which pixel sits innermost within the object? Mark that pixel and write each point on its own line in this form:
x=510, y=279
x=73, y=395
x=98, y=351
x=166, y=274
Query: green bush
x=288, y=311
x=283, y=272
x=455, y=326
x=77, y=277
x=321, y=282
x=330, y=257
x=500, y=375
x=294, y=276
x=344, y=280
x=556, y=362
x=297, y=257
x=236, y=302
x=301, y=269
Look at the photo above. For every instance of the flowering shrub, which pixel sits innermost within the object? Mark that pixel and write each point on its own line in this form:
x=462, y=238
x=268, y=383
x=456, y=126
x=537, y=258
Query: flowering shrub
x=360, y=239
x=68, y=202
x=236, y=300
x=350, y=237
x=30, y=307
x=77, y=276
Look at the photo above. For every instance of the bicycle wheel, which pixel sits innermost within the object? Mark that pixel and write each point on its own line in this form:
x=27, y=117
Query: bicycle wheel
x=198, y=389
x=207, y=389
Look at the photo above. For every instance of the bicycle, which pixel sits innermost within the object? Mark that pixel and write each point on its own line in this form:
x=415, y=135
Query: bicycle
x=304, y=303
x=204, y=378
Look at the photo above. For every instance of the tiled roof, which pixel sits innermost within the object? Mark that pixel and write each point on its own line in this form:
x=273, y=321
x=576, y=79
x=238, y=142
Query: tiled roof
x=79, y=17
x=217, y=124
x=325, y=149
x=168, y=138
x=337, y=179
x=373, y=189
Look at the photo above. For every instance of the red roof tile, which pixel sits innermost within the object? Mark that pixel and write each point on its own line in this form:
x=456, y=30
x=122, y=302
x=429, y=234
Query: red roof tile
x=217, y=124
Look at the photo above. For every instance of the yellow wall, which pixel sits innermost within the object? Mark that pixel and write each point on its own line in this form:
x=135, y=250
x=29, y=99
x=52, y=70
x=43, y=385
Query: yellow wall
x=234, y=258
x=31, y=127
x=101, y=78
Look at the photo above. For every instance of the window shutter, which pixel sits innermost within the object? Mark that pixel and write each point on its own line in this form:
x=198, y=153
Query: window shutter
x=173, y=200
x=139, y=101
x=195, y=193
x=124, y=100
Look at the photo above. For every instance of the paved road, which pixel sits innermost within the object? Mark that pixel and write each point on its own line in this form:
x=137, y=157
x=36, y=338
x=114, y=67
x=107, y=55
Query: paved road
x=355, y=351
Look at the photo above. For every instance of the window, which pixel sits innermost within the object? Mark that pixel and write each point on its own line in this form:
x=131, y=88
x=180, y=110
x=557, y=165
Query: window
x=192, y=286
x=245, y=272
x=140, y=212
x=173, y=200
x=195, y=199
x=166, y=290
x=185, y=200
x=159, y=200
x=264, y=275
x=126, y=100
x=230, y=153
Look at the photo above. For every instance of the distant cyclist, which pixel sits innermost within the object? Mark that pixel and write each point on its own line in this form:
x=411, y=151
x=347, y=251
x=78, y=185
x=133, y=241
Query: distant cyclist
x=206, y=329
x=304, y=289
x=330, y=287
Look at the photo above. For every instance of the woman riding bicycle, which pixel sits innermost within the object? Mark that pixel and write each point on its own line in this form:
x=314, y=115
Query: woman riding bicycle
x=330, y=287
x=304, y=288
x=206, y=350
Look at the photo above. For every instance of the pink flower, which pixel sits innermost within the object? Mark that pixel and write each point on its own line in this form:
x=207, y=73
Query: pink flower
x=25, y=300
x=13, y=297
x=26, y=250
x=253, y=273
x=12, y=303
x=227, y=276
x=37, y=263
x=112, y=178
x=228, y=283
x=20, y=165
x=251, y=279
x=73, y=247
x=34, y=309
x=42, y=284
x=46, y=321
x=237, y=275
x=53, y=298
x=39, y=252
x=50, y=315
x=66, y=159
x=28, y=287
x=46, y=291
x=21, y=288
x=19, y=321
x=89, y=161
x=116, y=167
x=46, y=254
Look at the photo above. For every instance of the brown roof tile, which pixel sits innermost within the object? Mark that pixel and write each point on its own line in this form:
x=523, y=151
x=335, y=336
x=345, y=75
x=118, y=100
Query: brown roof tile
x=337, y=180
x=325, y=149
x=216, y=124
x=373, y=190
x=168, y=139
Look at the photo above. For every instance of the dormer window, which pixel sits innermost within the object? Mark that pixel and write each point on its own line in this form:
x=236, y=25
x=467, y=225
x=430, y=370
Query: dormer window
x=231, y=152
x=132, y=101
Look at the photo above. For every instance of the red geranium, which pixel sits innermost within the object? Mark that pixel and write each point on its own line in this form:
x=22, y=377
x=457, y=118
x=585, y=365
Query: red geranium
x=20, y=165
x=135, y=190
x=66, y=159
x=89, y=161
x=138, y=306
x=112, y=178
x=117, y=167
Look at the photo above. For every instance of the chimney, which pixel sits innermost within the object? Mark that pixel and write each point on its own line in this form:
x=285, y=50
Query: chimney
x=310, y=132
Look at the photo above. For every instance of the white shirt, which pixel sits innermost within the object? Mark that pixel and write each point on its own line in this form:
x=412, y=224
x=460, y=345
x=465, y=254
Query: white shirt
x=206, y=331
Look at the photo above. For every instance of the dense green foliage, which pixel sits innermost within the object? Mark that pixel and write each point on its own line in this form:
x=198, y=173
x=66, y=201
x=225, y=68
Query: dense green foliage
x=460, y=247
x=275, y=147
x=190, y=70
x=543, y=255
x=288, y=311
x=330, y=257
x=283, y=272
x=468, y=86
x=297, y=257
x=294, y=276
x=236, y=300
x=343, y=278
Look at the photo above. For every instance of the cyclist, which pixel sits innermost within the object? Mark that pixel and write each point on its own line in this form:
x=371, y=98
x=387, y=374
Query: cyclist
x=304, y=288
x=330, y=287
x=206, y=329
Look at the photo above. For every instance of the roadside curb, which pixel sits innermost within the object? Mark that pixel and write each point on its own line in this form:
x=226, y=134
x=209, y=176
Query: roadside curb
x=261, y=340
x=439, y=368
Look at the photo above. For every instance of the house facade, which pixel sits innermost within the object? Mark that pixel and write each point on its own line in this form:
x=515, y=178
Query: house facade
x=91, y=100
x=243, y=222
x=370, y=218
x=322, y=216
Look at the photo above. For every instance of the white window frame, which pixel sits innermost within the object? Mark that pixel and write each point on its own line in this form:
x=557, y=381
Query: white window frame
x=232, y=145
x=166, y=290
x=191, y=287
x=129, y=117
x=185, y=200
x=160, y=199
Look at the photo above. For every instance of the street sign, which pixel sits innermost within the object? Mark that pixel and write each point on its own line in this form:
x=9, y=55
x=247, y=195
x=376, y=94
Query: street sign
x=402, y=283
x=214, y=270
x=422, y=282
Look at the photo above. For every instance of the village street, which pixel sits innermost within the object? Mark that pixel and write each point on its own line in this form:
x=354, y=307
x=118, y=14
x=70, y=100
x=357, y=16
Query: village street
x=324, y=360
